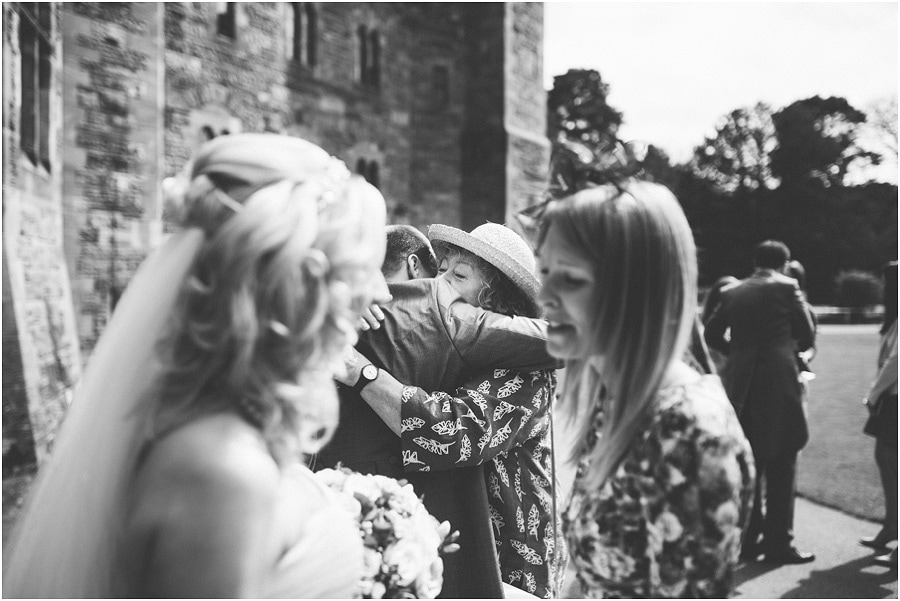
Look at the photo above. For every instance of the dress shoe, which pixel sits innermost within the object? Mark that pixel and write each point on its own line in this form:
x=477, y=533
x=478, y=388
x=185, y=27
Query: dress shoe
x=888, y=560
x=788, y=556
x=879, y=541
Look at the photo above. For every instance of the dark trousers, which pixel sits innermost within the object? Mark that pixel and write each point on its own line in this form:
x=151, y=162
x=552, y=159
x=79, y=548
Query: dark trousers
x=886, y=458
x=775, y=522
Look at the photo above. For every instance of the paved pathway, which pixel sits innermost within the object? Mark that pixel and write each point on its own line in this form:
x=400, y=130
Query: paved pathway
x=843, y=568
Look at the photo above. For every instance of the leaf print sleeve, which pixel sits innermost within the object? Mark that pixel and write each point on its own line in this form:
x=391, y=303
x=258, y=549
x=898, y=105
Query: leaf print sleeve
x=489, y=415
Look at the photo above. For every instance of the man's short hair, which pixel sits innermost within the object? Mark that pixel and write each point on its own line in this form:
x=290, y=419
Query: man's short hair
x=771, y=254
x=405, y=240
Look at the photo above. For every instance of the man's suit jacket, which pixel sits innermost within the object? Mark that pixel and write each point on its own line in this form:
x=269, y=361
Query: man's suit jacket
x=432, y=338
x=770, y=321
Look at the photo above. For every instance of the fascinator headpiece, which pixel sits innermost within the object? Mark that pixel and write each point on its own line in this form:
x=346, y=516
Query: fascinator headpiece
x=575, y=166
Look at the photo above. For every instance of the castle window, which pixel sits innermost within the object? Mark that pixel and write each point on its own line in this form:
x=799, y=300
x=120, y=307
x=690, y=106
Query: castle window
x=363, y=48
x=372, y=174
x=36, y=49
x=226, y=13
x=369, y=170
x=311, y=23
x=292, y=32
x=440, y=86
x=301, y=32
x=369, y=46
x=374, y=58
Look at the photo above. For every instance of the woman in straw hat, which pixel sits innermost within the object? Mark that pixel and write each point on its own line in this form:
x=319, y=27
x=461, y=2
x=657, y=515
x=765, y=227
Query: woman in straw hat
x=177, y=472
x=499, y=419
x=665, y=474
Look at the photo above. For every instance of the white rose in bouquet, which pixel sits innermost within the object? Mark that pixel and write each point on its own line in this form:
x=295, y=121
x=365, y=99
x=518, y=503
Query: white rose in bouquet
x=429, y=585
x=411, y=560
x=403, y=542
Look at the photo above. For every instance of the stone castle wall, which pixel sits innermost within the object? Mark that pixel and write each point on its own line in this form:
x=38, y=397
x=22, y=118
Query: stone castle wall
x=452, y=122
x=112, y=70
x=41, y=360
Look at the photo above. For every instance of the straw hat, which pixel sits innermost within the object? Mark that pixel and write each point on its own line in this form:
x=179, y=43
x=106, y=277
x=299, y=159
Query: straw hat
x=499, y=246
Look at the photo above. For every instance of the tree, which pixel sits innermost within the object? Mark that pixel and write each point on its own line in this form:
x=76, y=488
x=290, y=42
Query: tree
x=817, y=141
x=881, y=116
x=577, y=106
x=658, y=168
x=737, y=158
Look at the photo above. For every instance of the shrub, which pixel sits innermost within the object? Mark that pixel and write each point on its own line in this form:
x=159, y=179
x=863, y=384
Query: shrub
x=857, y=288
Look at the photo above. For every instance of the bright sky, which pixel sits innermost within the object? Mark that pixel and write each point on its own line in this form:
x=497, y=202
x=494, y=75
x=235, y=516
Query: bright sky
x=675, y=68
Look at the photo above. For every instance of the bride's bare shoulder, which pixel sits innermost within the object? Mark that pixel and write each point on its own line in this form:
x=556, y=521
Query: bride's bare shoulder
x=213, y=454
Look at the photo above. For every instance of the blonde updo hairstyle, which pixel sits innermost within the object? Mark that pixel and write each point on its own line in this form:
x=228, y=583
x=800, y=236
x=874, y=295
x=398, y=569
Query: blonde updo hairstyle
x=645, y=273
x=270, y=302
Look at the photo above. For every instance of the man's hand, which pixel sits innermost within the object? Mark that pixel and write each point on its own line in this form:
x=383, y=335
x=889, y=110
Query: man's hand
x=371, y=318
x=353, y=364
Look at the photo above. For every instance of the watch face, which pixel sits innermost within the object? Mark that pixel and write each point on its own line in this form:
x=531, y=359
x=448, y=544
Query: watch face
x=370, y=372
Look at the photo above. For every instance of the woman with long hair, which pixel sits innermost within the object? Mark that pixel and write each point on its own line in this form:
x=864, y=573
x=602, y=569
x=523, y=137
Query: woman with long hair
x=178, y=471
x=665, y=475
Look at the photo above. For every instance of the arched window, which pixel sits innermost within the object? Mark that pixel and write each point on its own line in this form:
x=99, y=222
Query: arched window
x=369, y=170
x=36, y=49
x=311, y=23
x=226, y=13
x=374, y=58
x=369, y=45
x=363, y=47
x=292, y=32
x=372, y=175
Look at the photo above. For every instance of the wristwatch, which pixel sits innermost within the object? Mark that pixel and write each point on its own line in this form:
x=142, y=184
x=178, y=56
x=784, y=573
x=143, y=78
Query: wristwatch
x=367, y=375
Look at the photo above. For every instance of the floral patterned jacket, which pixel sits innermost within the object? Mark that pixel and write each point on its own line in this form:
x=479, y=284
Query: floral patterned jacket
x=503, y=421
x=669, y=522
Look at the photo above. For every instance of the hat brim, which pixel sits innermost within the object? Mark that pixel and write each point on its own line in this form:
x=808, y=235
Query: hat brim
x=526, y=281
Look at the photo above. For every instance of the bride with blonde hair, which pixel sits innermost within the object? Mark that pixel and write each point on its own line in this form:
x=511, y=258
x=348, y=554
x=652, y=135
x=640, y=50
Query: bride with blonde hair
x=178, y=471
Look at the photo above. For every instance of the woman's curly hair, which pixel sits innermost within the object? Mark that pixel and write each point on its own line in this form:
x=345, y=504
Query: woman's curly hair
x=265, y=311
x=498, y=293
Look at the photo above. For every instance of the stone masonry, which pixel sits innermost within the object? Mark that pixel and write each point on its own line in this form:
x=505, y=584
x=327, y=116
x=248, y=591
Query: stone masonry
x=41, y=360
x=438, y=104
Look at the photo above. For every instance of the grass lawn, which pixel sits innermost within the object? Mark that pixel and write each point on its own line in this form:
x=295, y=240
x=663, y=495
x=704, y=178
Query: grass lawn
x=837, y=467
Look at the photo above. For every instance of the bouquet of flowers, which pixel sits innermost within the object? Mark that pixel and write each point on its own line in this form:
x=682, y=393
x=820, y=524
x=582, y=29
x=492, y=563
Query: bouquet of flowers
x=404, y=544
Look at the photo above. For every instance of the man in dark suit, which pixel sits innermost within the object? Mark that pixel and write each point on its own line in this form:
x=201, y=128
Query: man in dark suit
x=431, y=336
x=770, y=322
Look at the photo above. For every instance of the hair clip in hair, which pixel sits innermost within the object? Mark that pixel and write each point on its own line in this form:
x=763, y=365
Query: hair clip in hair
x=228, y=201
x=326, y=198
x=335, y=174
x=279, y=328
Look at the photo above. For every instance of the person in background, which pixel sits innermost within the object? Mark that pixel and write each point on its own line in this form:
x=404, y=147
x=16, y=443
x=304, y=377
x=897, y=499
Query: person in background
x=665, y=475
x=499, y=419
x=770, y=322
x=178, y=471
x=714, y=295
x=409, y=255
x=796, y=270
x=882, y=423
x=710, y=302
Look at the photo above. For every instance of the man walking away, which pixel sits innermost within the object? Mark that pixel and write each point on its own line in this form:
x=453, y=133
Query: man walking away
x=770, y=322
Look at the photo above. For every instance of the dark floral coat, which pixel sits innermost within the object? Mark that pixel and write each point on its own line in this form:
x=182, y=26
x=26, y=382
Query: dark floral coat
x=501, y=420
x=669, y=522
